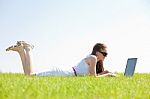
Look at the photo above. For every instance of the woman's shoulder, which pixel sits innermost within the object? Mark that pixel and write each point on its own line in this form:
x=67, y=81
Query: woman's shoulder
x=91, y=58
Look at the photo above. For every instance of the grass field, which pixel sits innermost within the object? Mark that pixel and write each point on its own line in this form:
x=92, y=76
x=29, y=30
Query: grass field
x=18, y=86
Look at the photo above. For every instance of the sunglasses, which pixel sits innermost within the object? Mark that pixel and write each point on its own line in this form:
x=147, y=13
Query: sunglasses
x=104, y=53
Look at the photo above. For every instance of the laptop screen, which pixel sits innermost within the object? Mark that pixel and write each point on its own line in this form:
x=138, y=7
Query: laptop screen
x=130, y=67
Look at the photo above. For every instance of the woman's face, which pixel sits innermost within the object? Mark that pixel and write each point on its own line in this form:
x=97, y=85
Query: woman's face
x=101, y=55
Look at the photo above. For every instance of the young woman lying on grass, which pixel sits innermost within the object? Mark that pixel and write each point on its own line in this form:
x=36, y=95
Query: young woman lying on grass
x=91, y=65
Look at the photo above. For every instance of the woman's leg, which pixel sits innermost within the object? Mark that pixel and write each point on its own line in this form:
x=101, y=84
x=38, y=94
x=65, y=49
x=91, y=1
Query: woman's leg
x=19, y=48
x=28, y=55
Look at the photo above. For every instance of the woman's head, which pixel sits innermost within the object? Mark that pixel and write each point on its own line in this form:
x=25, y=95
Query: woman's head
x=99, y=50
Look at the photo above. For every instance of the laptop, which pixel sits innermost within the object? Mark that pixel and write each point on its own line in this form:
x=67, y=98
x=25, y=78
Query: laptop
x=130, y=67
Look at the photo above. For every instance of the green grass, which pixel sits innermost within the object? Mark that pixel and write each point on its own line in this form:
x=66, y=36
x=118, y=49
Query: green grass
x=18, y=86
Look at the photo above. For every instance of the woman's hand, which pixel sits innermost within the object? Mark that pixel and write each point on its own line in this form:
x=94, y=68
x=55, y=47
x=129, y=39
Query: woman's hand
x=112, y=75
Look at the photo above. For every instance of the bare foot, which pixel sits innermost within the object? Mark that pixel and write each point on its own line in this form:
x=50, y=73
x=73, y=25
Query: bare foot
x=15, y=48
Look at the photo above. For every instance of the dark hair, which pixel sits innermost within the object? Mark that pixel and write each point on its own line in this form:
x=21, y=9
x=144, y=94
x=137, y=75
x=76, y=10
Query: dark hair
x=98, y=47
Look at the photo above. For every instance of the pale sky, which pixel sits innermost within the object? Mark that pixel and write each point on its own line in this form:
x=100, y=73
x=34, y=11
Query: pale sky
x=64, y=31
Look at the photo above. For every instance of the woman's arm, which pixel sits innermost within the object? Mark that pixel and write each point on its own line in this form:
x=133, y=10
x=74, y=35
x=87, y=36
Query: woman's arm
x=91, y=61
x=107, y=75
